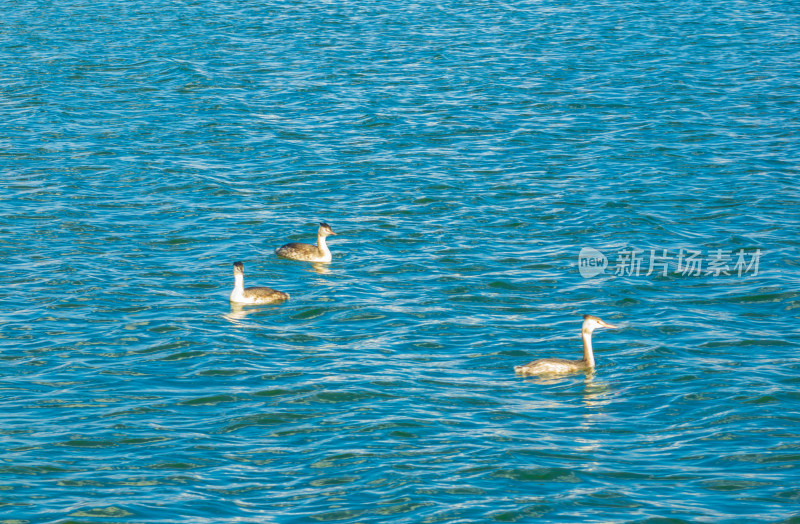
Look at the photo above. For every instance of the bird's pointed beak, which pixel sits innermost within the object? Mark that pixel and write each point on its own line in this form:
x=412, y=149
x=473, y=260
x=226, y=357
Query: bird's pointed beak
x=607, y=325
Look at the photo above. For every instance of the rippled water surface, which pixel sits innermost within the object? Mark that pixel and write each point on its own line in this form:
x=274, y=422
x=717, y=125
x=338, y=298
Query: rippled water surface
x=465, y=153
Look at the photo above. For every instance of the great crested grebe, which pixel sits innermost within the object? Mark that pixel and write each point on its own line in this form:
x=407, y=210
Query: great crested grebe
x=252, y=295
x=309, y=252
x=545, y=366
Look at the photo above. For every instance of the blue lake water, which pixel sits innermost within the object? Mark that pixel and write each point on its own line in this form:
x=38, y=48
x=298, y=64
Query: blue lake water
x=467, y=154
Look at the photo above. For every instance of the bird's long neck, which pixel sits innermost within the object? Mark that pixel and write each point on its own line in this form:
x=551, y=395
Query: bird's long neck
x=588, y=355
x=238, y=283
x=322, y=245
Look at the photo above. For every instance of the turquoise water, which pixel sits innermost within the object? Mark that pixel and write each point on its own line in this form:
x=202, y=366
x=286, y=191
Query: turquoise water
x=466, y=154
